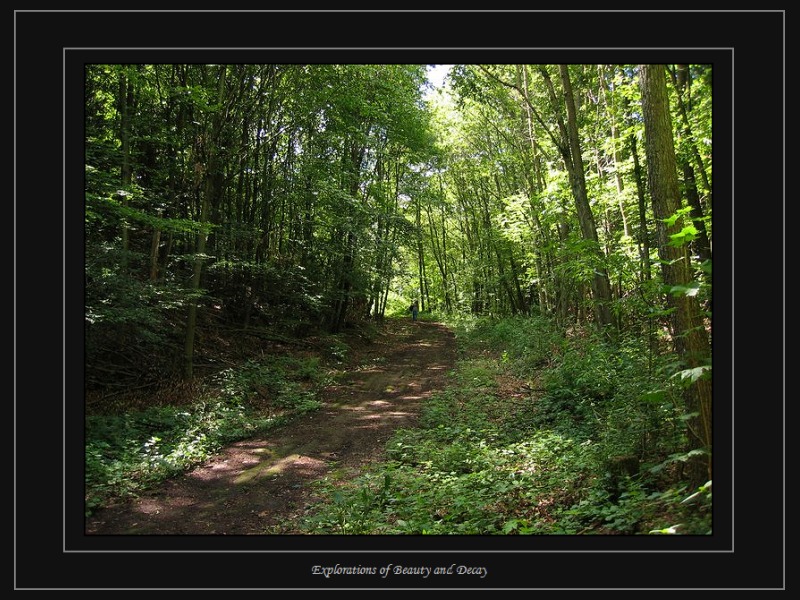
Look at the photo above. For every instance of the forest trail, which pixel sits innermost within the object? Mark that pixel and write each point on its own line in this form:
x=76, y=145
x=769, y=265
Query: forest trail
x=259, y=486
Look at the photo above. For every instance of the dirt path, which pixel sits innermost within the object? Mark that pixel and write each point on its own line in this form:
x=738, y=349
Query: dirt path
x=257, y=486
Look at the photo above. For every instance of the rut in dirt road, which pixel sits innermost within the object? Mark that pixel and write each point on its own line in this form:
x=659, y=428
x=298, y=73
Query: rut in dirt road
x=261, y=485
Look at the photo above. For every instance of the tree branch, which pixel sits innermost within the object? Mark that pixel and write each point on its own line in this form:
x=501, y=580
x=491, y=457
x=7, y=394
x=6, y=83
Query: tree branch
x=527, y=100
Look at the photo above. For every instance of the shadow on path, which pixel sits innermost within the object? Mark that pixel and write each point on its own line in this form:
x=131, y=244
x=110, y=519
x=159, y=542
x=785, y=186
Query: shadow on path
x=257, y=486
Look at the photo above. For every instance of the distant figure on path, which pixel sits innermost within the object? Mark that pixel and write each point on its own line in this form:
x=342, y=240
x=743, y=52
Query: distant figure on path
x=414, y=308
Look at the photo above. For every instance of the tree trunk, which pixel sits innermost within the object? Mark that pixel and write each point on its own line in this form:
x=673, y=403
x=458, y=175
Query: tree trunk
x=352, y=168
x=644, y=234
x=615, y=141
x=126, y=169
x=156, y=242
x=601, y=287
x=191, y=321
x=420, y=255
x=535, y=185
x=680, y=80
x=209, y=190
x=689, y=334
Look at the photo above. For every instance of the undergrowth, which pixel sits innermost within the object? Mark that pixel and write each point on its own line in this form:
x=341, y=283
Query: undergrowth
x=128, y=451
x=537, y=432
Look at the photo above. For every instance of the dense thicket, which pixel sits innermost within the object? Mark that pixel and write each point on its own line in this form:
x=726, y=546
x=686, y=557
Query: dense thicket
x=294, y=198
x=269, y=194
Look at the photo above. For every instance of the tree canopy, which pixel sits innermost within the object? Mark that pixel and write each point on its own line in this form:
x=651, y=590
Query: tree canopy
x=303, y=198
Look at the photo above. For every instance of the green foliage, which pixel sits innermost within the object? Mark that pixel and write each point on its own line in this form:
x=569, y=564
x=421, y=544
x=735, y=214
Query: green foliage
x=105, y=210
x=690, y=514
x=129, y=452
x=328, y=187
x=689, y=376
x=337, y=349
x=592, y=452
x=284, y=382
x=678, y=215
x=529, y=342
x=684, y=236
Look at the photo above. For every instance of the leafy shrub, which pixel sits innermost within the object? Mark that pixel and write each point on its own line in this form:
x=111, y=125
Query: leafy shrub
x=591, y=450
x=126, y=453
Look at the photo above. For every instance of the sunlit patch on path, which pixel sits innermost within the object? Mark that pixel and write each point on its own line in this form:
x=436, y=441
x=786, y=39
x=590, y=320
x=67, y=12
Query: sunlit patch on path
x=253, y=485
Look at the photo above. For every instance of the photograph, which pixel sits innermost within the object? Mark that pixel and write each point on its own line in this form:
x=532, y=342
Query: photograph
x=387, y=315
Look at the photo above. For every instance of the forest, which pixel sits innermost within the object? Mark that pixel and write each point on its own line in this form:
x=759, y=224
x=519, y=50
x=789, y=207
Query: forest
x=247, y=226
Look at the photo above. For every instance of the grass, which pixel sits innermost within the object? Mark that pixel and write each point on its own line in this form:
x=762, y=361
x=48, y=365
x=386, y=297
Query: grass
x=128, y=452
x=534, y=434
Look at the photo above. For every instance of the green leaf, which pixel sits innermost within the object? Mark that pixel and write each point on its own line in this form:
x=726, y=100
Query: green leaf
x=655, y=397
x=692, y=374
x=672, y=530
x=684, y=236
x=687, y=290
x=511, y=525
x=671, y=220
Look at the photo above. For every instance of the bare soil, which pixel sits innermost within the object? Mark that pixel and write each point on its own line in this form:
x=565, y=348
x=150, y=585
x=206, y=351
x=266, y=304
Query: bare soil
x=261, y=486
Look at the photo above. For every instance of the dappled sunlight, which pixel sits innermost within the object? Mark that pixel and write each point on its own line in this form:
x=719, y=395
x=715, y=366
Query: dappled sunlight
x=370, y=369
x=378, y=403
x=371, y=417
x=256, y=452
x=151, y=507
x=256, y=482
x=378, y=397
x=377, y=421
x=397, y=414
x=301, y=464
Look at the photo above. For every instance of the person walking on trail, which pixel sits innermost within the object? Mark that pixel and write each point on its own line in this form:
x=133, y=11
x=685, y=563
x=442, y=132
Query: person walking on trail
x=414, y=308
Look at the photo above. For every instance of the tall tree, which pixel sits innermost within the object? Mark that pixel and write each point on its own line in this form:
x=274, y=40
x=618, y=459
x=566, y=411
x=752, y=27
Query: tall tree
x=688, y=328
x=681, y=81
x=212, y=177
x=571, y=151
x=125, y=100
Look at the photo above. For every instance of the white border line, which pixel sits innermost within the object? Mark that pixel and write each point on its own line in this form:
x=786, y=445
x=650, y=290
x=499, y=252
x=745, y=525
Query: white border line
x=415, y=551
x=278, y=11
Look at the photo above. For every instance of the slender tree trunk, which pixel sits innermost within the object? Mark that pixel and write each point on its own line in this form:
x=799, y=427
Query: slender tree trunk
x=197, y=270
x=438, y=248
x=156, y=241
x=420, y=255
x=126, y=169
x=702, y=243
x=535, y=185
x=444, y=269
x=601, y=287
x=352, y=168
x=211, y=174
x=615, y=142
x=690, y=337
x=644, y=234
x=522, y=301
x=680, y=79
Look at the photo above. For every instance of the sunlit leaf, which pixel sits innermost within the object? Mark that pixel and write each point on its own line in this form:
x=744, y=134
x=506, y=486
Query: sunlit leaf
x=684, y=236
x=693, y=374
x=687, y=290
x=672, y=530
